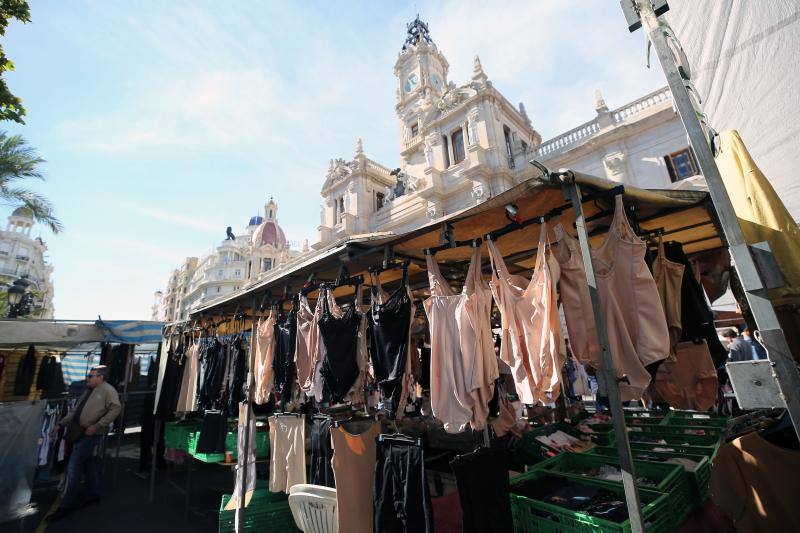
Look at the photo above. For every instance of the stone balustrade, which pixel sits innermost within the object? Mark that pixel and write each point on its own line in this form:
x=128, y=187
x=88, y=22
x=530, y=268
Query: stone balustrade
x=591, y=128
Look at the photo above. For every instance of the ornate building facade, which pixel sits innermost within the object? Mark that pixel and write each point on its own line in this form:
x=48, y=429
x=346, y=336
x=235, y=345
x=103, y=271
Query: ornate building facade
x=459, y=145
x=462, y=144
x=23, y=256
x=236, y=261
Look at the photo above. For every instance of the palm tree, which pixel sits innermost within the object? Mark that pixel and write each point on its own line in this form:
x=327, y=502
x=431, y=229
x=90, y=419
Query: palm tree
x=18, y=161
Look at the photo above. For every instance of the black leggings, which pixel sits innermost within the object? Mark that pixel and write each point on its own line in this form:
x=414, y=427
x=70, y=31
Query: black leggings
x=321, y=452
x=482, y=478
x=401, y=499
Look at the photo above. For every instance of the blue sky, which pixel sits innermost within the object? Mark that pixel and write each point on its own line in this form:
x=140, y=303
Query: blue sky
x=164, y=122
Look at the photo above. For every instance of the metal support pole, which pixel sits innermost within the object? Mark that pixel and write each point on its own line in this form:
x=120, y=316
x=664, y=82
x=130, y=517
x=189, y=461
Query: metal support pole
x=607, y=375
x=121, y=430
x=157, y=428
x=243, y=462
x=784, y=369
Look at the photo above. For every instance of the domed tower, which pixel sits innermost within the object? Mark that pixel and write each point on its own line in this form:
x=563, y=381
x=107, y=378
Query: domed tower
x=268, y=241
x=21, y=220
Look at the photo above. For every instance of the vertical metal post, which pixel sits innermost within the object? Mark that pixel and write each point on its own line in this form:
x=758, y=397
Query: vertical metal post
x=607, y=375
x=157, y=428
x=785, y=371
x=243, y=458
x=121, y=430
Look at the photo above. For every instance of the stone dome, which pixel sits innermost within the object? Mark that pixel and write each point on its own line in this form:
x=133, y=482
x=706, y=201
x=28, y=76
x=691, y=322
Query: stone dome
x=269, y=232
x=22, y=211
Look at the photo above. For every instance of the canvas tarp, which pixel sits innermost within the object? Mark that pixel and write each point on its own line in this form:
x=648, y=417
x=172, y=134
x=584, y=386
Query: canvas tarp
x=745, y=66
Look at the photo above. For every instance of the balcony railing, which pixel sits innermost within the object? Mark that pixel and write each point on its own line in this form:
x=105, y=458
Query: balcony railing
x=591, y=128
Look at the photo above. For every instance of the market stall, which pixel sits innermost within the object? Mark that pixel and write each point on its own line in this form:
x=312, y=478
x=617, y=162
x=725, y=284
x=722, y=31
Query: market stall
x=359, y=389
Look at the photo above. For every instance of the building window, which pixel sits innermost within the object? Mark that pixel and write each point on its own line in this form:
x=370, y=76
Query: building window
x=219, y=274
x=267, y=264
x=380, y=199
x=219, y=289
x=524, y=147
x=414, y=129
x=681, y=165
x=341, y=208
x=458, y=146
x=509, y=146
x=446, y=151
x=237, y=273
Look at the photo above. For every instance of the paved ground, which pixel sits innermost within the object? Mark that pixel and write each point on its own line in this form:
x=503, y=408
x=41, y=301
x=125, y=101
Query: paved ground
x=125, y=506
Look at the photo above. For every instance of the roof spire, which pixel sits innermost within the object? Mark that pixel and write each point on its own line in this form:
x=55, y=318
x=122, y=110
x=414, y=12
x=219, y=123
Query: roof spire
x=599, y=101
x=359, y=147
x=416, y=31
x=524, y=113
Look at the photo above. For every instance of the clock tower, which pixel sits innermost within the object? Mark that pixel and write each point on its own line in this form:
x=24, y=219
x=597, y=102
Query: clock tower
x=421, y=71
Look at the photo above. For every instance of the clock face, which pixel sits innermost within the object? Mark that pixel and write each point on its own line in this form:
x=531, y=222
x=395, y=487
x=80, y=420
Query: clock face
x=437, y=83
x=411, y=82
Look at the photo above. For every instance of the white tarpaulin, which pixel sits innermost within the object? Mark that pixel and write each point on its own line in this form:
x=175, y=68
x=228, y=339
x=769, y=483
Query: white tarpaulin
x=745, y=63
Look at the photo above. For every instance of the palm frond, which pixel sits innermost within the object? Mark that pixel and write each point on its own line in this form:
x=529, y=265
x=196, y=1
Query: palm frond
x=18, y=160
x=40, y=207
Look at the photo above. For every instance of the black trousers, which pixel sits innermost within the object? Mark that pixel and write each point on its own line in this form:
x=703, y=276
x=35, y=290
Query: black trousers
x=321, y=452
x=213, y=433
x=482, y=478
x=401, y=500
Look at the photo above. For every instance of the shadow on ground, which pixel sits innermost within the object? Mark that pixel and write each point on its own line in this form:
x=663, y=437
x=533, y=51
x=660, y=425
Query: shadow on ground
x=125, y=505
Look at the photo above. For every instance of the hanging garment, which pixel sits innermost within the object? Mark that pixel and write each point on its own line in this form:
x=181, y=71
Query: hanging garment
x=687, y=379
x=188, y=390
x=213, y=432
x=761, y=213
x=697, y=319
x=634, y=318
x=236, y=374
x=167, y=399
x=754, y=483
x=287, y=440
x=283, y=364
x=669, y=279
x=339, y=331
x=354, y=470
x=482, y=478
x=463, y=364
x=389, y=325
x=402, y=500
x=248, y=436
x=262, y=361
x=25, y=372
x=306, y=354
x=213, y=375
x=575, y=300
x=321, y=452
x=43, y=376
x=531, y=340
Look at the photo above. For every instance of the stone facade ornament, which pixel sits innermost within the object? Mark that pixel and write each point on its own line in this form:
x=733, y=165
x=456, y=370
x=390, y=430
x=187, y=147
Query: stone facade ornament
x=472, y=124
x=359, y=147
x=478, y=192
x=433, y=211
x=429, y=151
x=615, y=166
x=340, y=169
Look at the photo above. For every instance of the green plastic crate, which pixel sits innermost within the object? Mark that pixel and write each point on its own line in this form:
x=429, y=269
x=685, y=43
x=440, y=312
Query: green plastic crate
x=699, y=478
x=176, y=434
x=668, y=478
x=267, y=512
x=644, y=421
x=603, y=434
x=532, y=515
x=262, y=447
x=697, y=418
x=529, y=451
x=678, y=430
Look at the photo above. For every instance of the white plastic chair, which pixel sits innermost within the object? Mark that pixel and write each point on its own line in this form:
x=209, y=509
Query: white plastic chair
x=314, y=508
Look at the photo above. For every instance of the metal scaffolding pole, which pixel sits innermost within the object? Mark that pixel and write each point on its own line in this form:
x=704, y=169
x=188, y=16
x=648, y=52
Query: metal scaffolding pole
x=784, y=369
x=607, y=375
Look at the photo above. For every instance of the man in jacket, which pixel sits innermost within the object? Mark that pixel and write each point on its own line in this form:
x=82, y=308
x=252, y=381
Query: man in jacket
x=97, y=408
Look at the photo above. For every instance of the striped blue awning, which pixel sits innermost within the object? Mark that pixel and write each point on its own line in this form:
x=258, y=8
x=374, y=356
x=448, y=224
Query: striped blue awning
x=131, y=331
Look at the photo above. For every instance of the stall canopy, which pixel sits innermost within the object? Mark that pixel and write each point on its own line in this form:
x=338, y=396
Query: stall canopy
x=686, y=216
x=67, y=334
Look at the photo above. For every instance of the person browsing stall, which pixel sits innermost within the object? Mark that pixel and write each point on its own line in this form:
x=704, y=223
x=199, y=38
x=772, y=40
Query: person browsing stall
x=85, y=426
